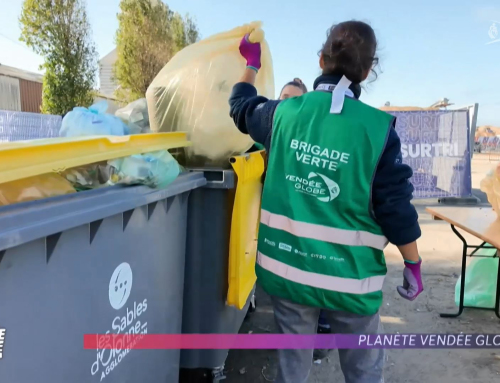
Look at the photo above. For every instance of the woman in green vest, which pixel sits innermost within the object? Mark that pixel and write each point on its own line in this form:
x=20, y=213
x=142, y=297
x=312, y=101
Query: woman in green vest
x=336, y=193
x=296, y=88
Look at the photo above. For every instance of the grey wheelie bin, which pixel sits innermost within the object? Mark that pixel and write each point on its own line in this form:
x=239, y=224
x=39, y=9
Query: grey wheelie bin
x=109, y=260
x=205, y=310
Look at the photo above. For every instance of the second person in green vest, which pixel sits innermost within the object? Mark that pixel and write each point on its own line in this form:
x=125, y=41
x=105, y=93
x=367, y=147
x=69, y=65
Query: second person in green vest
x=293, y=88
x=336, y=193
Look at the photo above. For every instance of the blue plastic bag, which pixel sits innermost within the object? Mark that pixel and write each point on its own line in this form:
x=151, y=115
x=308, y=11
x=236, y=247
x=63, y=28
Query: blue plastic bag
x=92, y=122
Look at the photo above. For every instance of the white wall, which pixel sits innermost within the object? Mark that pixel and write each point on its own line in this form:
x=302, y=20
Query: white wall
x=107, y=85
x=10, y=94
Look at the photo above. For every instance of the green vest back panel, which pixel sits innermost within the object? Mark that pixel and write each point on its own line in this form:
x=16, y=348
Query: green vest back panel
x=318, y=242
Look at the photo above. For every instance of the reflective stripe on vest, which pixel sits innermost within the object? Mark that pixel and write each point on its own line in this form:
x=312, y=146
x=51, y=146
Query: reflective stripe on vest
x=321, y=281
x=323, y=233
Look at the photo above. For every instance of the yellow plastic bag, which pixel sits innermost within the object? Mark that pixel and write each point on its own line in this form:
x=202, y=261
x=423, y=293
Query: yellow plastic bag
x=244, y=227
x=191, y=94
x=491, y=186
x=34, y=188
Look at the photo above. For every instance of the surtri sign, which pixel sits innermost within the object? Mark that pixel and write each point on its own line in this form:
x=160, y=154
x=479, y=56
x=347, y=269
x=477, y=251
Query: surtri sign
x=437, y=149
x=435, y=144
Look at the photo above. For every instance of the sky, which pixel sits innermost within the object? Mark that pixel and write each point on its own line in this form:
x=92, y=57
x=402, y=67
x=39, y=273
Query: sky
x=428, y=49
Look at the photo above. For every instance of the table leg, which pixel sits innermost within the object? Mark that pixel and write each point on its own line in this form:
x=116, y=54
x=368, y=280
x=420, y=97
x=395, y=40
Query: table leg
x=462, y=285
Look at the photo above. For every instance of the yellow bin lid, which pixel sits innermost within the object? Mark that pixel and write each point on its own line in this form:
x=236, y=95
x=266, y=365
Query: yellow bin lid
x=24, y=159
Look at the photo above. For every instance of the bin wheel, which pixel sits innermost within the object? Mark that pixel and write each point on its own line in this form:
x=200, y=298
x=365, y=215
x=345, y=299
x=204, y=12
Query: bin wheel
x=218, y=375
x=201, y=375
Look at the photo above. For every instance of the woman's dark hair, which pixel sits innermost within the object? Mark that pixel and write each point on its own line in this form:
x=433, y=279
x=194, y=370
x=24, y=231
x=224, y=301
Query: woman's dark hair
x=297, y=82
x=350, y=50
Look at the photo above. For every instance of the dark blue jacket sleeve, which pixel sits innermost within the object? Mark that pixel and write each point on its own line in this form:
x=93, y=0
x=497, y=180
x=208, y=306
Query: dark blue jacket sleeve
x=251, y=113
x=392, y=193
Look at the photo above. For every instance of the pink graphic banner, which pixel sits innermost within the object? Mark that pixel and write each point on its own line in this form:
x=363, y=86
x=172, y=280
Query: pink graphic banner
x=280, y=341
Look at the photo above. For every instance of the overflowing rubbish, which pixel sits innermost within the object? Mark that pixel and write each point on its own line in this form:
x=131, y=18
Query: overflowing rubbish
x=491, y=186
x=191, y=93
x=156, y=170
x=34, y=188
x=91, y=176
x=30, y=158
x=136, y=116
x=93, y=121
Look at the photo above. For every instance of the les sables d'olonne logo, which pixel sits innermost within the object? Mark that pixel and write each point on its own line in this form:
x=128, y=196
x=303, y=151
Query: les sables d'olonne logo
x=2, y=339
x=316, y=185
x=129, y=321
x=120, y=286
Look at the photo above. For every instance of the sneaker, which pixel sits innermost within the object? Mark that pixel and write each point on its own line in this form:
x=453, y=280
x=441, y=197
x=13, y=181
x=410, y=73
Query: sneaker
x=322, y=354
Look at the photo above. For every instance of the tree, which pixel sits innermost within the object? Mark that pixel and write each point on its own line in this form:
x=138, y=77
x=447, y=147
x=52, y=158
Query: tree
x=148, y=36
x=59, y=31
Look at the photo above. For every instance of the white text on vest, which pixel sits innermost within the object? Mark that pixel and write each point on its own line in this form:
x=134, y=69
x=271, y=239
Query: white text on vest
x=323, y=158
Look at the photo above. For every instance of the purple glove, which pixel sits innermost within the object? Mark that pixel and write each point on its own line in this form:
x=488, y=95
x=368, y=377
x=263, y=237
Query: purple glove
x=412, y=283
x=251, y=52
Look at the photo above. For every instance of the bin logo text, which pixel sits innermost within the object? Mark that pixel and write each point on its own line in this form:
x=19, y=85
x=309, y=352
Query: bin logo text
x=127, y=322
x=2, y=340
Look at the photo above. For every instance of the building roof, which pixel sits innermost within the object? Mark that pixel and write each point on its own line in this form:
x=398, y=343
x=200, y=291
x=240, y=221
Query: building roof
x=403, y=108
x=443, y=103
x=20, y=73
x=487, y=131
x=110, y=58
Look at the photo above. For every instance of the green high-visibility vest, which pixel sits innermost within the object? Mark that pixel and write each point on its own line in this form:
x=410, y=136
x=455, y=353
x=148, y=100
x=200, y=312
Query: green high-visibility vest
x=319, y=244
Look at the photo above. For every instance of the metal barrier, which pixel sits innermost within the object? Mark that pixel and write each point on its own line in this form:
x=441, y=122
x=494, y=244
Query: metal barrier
x=488, y=147
x=22, y=126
